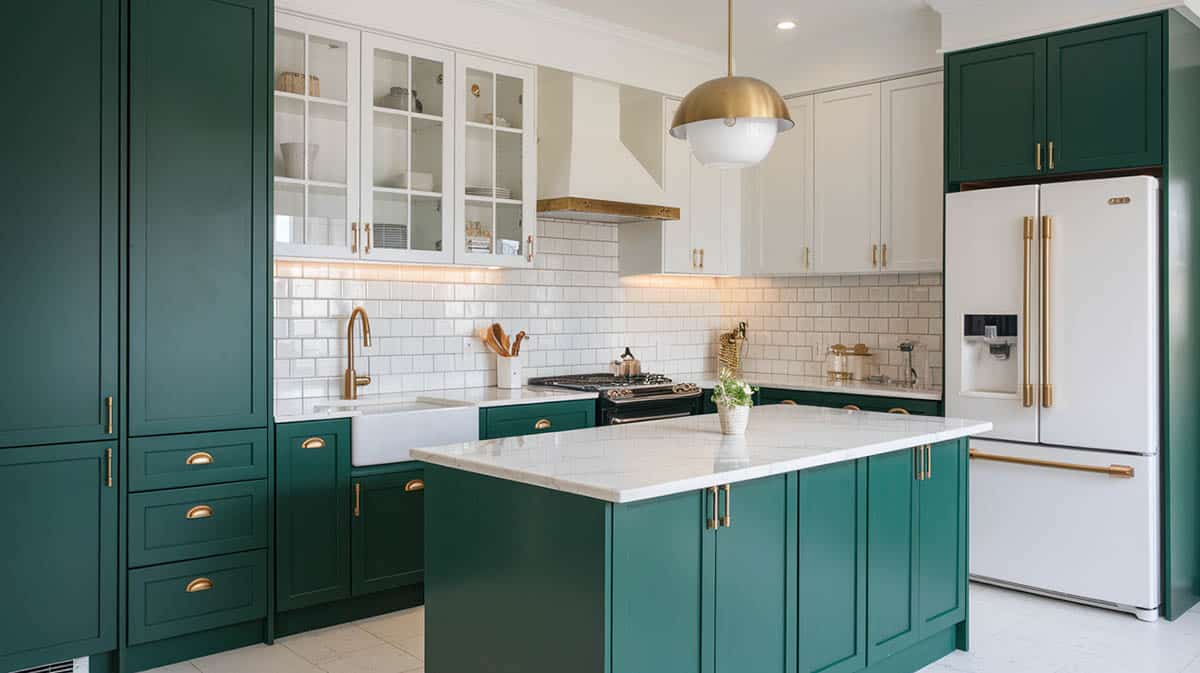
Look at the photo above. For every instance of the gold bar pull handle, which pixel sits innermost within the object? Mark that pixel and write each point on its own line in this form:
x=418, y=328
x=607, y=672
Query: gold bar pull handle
x=199, y=512
x=727, y=520
x=108, y=468
x=874, y=255
x=414, y=485
x=1050, y=154
x=529, y=248
x=884, y=255
x=701, y=258
x=807, y=266
x=713, y=523
x=1026, y=387
x=1120, y=471
x=1047, y=243
x=354, y=237
x=1037, y=156
x=108, y=404
x=366, y=238
x=918, y=464
x=928, y=461
x=357, y=500
x=199, y=584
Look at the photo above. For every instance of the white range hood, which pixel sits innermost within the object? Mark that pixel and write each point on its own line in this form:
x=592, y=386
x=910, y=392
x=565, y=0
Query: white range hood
x=600, y=151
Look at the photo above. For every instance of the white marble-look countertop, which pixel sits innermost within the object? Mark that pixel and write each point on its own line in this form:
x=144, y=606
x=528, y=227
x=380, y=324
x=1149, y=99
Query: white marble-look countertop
x=821, y=384
x=317, y=410
x=634, y=462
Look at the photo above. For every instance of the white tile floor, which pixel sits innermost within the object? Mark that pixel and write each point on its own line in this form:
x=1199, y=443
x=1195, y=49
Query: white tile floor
x=1011, y=632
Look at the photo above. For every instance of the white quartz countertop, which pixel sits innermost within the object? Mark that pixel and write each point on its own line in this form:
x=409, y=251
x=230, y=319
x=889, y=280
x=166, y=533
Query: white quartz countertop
x=821, y=384
x=634, y=462
x=316, y=410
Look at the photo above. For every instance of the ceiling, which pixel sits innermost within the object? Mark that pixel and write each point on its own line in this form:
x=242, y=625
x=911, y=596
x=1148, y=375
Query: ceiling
x=856, y=38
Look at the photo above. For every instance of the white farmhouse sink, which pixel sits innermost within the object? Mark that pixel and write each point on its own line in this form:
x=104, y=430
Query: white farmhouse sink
x=384, y=432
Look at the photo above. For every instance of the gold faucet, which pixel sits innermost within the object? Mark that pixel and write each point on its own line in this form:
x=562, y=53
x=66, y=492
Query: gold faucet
x=352, y=379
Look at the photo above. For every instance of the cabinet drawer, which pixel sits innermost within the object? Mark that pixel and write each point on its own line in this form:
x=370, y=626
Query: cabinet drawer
x=535, y=419
x=185, y=523
x=194, y=460
x=181, y=598
x=841, y=401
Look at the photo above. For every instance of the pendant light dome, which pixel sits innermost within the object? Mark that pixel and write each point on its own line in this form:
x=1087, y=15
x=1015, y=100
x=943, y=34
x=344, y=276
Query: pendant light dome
x=731, y=122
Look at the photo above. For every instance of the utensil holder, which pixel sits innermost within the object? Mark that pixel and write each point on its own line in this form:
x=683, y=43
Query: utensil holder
x=508, y=372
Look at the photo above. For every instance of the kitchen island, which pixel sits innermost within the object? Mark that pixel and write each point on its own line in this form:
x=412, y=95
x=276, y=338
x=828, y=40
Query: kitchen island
x=822, y=540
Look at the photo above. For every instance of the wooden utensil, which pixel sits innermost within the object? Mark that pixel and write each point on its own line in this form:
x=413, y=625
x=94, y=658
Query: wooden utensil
x=501, y=338
x=485, y=335
x=516, y=347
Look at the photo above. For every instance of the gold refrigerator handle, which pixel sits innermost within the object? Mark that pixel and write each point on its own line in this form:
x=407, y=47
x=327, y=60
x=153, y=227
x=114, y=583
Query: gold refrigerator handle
x=1122, y=471
x=1047, y=240
x=1026, y=386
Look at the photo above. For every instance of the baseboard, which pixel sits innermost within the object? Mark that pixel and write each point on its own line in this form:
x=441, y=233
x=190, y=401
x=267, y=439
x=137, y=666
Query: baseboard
x=918, y=656
x=181, y=648
x=330, y=614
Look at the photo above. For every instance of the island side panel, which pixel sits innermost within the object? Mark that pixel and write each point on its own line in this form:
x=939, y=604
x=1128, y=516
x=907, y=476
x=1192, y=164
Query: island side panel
x=516, y=577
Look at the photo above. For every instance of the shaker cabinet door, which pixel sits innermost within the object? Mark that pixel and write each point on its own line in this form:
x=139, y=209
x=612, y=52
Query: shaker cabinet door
x=846, y=203
x=942, y=538
x=199, y=249
x=59, y=240
x=388, y=532
x=892, y=555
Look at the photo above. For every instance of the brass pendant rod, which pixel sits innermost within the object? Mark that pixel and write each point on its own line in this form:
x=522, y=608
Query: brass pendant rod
x=729, y=36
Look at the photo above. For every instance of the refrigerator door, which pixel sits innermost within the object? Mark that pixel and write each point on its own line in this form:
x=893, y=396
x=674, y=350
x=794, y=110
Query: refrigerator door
x=1062, y=530
x=990, y=279
x=1100, y=346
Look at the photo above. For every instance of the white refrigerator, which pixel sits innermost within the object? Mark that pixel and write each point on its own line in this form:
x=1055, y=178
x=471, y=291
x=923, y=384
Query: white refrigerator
x=1052, y=302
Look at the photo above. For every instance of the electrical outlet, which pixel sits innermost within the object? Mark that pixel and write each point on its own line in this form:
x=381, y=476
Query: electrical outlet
x=471, y=346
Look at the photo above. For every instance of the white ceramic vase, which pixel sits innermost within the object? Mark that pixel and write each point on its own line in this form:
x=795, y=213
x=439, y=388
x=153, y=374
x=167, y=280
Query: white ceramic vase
x=733, y=419
x=293, y=159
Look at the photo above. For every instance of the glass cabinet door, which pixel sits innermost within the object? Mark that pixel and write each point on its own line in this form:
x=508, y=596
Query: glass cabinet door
x=496, y=163
x=316, y=139
x=407, y=151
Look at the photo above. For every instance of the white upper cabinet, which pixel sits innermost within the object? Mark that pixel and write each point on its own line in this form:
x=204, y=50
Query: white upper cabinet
x=777, y=201
x=847, y=201
x=496, y=162
x=677, y=249
x=316, y=139
x=407, y=151
x=912, y=184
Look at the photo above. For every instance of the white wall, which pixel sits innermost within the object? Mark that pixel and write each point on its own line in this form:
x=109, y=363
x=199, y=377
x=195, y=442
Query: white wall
x=531, y=32
x=971, y=23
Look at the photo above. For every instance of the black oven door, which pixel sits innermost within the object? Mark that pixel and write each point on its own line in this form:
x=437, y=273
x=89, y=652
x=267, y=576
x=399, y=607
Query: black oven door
x=636, y=411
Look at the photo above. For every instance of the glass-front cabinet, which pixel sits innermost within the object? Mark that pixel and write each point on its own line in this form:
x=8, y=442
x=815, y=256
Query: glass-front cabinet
x=316, y=138
x=397, y=151
x=496, y=162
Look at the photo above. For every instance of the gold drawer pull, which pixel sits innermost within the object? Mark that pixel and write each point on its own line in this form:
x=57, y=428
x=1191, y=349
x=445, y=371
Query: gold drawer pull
x=414, y=485
x=791, y=402
x=898, y=410
x=542, y=424
x=313, y=443
x=200, y=512
x=199, y=584
x=851, y=407
x=200, y=458
x=1121, y=471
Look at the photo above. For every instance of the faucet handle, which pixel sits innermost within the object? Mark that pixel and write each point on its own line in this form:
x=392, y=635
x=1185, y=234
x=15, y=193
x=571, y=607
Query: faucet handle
x=362, y=380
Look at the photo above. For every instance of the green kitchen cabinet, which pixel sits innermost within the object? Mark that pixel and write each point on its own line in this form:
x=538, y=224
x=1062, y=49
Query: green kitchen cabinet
x=185, y=523
x=850, y=401
x=199, y=195
x=388, y=540
x=996, y=111
x=58, y=511
x=680, y=587
x=831, y=568
x=535, y=419
x=313, y=510
x=59, y=262
x=1105, y=105
x=942, y=538
x=892, y=553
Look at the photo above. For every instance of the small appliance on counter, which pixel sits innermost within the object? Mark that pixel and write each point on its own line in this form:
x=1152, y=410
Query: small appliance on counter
x=627, y=366
x=631, y=399
x=849, y=363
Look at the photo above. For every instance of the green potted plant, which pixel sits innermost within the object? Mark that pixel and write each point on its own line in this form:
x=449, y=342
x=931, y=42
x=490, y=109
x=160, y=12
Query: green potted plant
x=733, y=398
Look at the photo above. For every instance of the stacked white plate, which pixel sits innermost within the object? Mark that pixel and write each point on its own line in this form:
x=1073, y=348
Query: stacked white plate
x=490, y=192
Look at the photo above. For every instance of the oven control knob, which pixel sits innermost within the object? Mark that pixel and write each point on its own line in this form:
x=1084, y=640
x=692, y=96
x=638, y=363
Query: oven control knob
x=685, y=388
x=619, y=393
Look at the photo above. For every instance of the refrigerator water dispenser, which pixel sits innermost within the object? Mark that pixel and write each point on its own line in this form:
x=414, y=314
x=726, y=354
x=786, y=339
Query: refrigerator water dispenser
x=989, y=354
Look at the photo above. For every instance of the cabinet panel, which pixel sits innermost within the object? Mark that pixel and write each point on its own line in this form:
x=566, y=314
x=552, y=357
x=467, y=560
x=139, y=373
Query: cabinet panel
x=846, y=203
x=59, y=581
x=778, y=201
x=662, y=579
x=388, y=532
x=942, y=535
x=536, y=419
x=199, y=249
x=184, y=523
x=911, y=180
x=197, y=459
x=892, y=619
x=313, y=510
x=677, y=253
x=832, y=602
x=58, y=245
x=706, y=217
x=1105, y=102
x=996, y=112
x=750, y=607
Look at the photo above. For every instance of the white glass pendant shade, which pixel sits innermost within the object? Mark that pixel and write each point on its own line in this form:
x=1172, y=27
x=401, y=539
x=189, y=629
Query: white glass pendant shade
x=731, y=143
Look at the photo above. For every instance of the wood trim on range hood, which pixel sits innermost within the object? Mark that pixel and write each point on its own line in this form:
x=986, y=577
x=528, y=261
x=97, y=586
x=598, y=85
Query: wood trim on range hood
x=572, y=207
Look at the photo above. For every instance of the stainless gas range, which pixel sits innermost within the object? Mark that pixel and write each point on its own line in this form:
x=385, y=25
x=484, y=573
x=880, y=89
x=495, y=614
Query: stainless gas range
x=632, y=399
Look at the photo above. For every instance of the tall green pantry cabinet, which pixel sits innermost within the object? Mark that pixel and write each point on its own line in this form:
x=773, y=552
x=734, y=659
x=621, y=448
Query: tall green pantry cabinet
x=135, y=436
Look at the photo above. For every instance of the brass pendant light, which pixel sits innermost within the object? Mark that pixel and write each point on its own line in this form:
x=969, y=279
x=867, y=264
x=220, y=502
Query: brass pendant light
x=731, y=122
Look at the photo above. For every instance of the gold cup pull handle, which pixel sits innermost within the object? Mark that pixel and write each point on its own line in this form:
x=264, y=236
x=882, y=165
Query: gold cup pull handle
x=542, y=424
x=414, y=485
x=199, y=584
x=313, y=443
x=852, y=407
x=898, y=410
x=788, y=402
x=200, y=458
x=200, y=512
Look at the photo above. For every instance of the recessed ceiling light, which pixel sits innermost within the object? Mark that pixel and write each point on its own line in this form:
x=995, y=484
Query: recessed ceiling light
x=785, y=25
